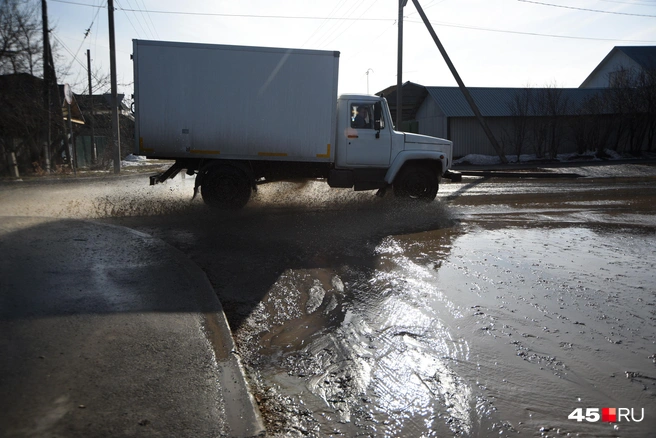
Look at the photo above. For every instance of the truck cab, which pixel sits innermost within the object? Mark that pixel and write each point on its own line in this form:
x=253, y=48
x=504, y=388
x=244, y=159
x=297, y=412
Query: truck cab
x=370, y=154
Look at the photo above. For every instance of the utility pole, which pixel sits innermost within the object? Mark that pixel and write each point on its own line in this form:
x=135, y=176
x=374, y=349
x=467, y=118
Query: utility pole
x=68, y=96
x=461, y=84
x=94, y=150
x=46, y=81
x=116, y=133
x=399, y=68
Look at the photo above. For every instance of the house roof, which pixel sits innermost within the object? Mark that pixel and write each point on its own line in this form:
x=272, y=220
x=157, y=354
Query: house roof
x=413, y=96
x=76, y=113
x=644, y=56
x=492, y=102
x=101, y=102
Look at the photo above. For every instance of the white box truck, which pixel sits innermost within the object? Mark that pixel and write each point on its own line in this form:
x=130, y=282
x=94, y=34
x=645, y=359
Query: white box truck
x=237, y=117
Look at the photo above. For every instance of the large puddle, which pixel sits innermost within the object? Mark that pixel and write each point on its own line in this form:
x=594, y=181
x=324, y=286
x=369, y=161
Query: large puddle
x=468, y=332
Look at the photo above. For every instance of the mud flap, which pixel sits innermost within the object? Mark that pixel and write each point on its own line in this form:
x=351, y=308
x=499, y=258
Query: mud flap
x=199, y=177
x=170, y=173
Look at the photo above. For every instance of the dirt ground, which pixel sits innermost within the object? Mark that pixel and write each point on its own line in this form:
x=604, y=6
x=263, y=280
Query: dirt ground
x=497, y=309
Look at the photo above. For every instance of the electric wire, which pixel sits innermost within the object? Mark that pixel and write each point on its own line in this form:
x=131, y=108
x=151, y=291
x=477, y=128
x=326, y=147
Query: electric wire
x=86, y=34
x=390, y=27
x=323, y=23
x=149, y=20
x=331, y=25
x=461, y=26
x=136, y=17
x=351, y=24
x=335, y=25
x=217, y=14
x=128, y=17
x=339, y=25
x=382, y=19
x=586, y=9
x=630, y=3
x=74, y=58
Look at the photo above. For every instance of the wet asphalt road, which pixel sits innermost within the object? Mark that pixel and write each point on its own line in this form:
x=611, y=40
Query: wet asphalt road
x=498, y=309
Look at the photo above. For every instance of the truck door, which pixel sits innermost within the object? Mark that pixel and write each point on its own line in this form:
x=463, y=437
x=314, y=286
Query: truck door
x=366, y=145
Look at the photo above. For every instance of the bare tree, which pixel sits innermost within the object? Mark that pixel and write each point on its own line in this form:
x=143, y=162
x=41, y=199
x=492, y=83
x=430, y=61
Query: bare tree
x=632, y=98
x=519, y=107
x=646, y=85
x=25, y=119
x=618, y=96
x=557, y=107
x=648, y=80
x=592, y=126
x=21, y=39
x=539, y=127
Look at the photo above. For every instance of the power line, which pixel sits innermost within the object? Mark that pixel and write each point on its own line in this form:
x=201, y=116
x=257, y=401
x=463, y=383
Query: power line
x=149, y=22
x=585, y=9
x=377, y=19
x=136, y=18
x=216, y=14
x=326, y=43
x=460, y=26
x=86, y=34
x=392, y=26
x=332, y=26
x=335, y=9
x=630, y=3
x=74, y=57
x=130, y=21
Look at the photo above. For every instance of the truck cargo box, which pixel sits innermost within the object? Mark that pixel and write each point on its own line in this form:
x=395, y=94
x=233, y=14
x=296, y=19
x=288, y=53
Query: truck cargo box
x=219, y=101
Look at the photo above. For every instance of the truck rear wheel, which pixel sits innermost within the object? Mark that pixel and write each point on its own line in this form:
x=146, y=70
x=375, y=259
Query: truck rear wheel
x=225, y=187
x=416, y=182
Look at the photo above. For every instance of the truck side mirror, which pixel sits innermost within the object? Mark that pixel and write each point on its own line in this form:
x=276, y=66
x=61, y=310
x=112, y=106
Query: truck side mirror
x=379, y=123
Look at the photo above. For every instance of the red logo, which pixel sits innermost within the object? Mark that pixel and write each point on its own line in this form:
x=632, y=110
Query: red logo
x=609, y=415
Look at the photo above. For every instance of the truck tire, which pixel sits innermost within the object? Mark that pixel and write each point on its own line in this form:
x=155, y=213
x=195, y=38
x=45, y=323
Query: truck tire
x=225, y=187
x=416, y=182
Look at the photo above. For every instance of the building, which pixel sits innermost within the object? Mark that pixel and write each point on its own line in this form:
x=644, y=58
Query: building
x=444, y=112
x=542, y=121
x=24, y=127
x=635, y=59
x=24, y=123
x=97, y=129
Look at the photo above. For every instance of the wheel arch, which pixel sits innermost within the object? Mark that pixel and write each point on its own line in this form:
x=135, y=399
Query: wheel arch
x=403, y=161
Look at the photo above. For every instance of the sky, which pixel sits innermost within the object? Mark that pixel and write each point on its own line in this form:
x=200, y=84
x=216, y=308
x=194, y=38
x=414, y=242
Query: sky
x=492, y=43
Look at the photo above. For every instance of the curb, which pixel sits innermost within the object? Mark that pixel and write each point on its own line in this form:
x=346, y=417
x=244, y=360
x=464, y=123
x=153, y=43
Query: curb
x=243, y=418
x=518, y=174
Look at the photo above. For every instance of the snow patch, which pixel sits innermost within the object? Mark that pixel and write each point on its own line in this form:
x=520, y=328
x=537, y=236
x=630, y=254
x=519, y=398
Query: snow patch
x=134, y=160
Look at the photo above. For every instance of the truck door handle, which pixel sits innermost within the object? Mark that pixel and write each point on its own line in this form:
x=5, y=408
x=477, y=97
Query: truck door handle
x=352, y=136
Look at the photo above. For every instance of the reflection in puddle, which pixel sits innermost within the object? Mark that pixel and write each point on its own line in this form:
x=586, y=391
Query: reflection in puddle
x=383, y=362
x=470, y=332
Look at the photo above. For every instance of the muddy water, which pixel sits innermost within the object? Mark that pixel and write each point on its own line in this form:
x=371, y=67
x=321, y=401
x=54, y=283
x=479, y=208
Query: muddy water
x=503, y=322
x=496, y=310
x=474, y=332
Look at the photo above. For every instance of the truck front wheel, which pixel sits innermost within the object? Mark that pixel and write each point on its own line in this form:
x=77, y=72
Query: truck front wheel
x=416, y=182
x=225, y=187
